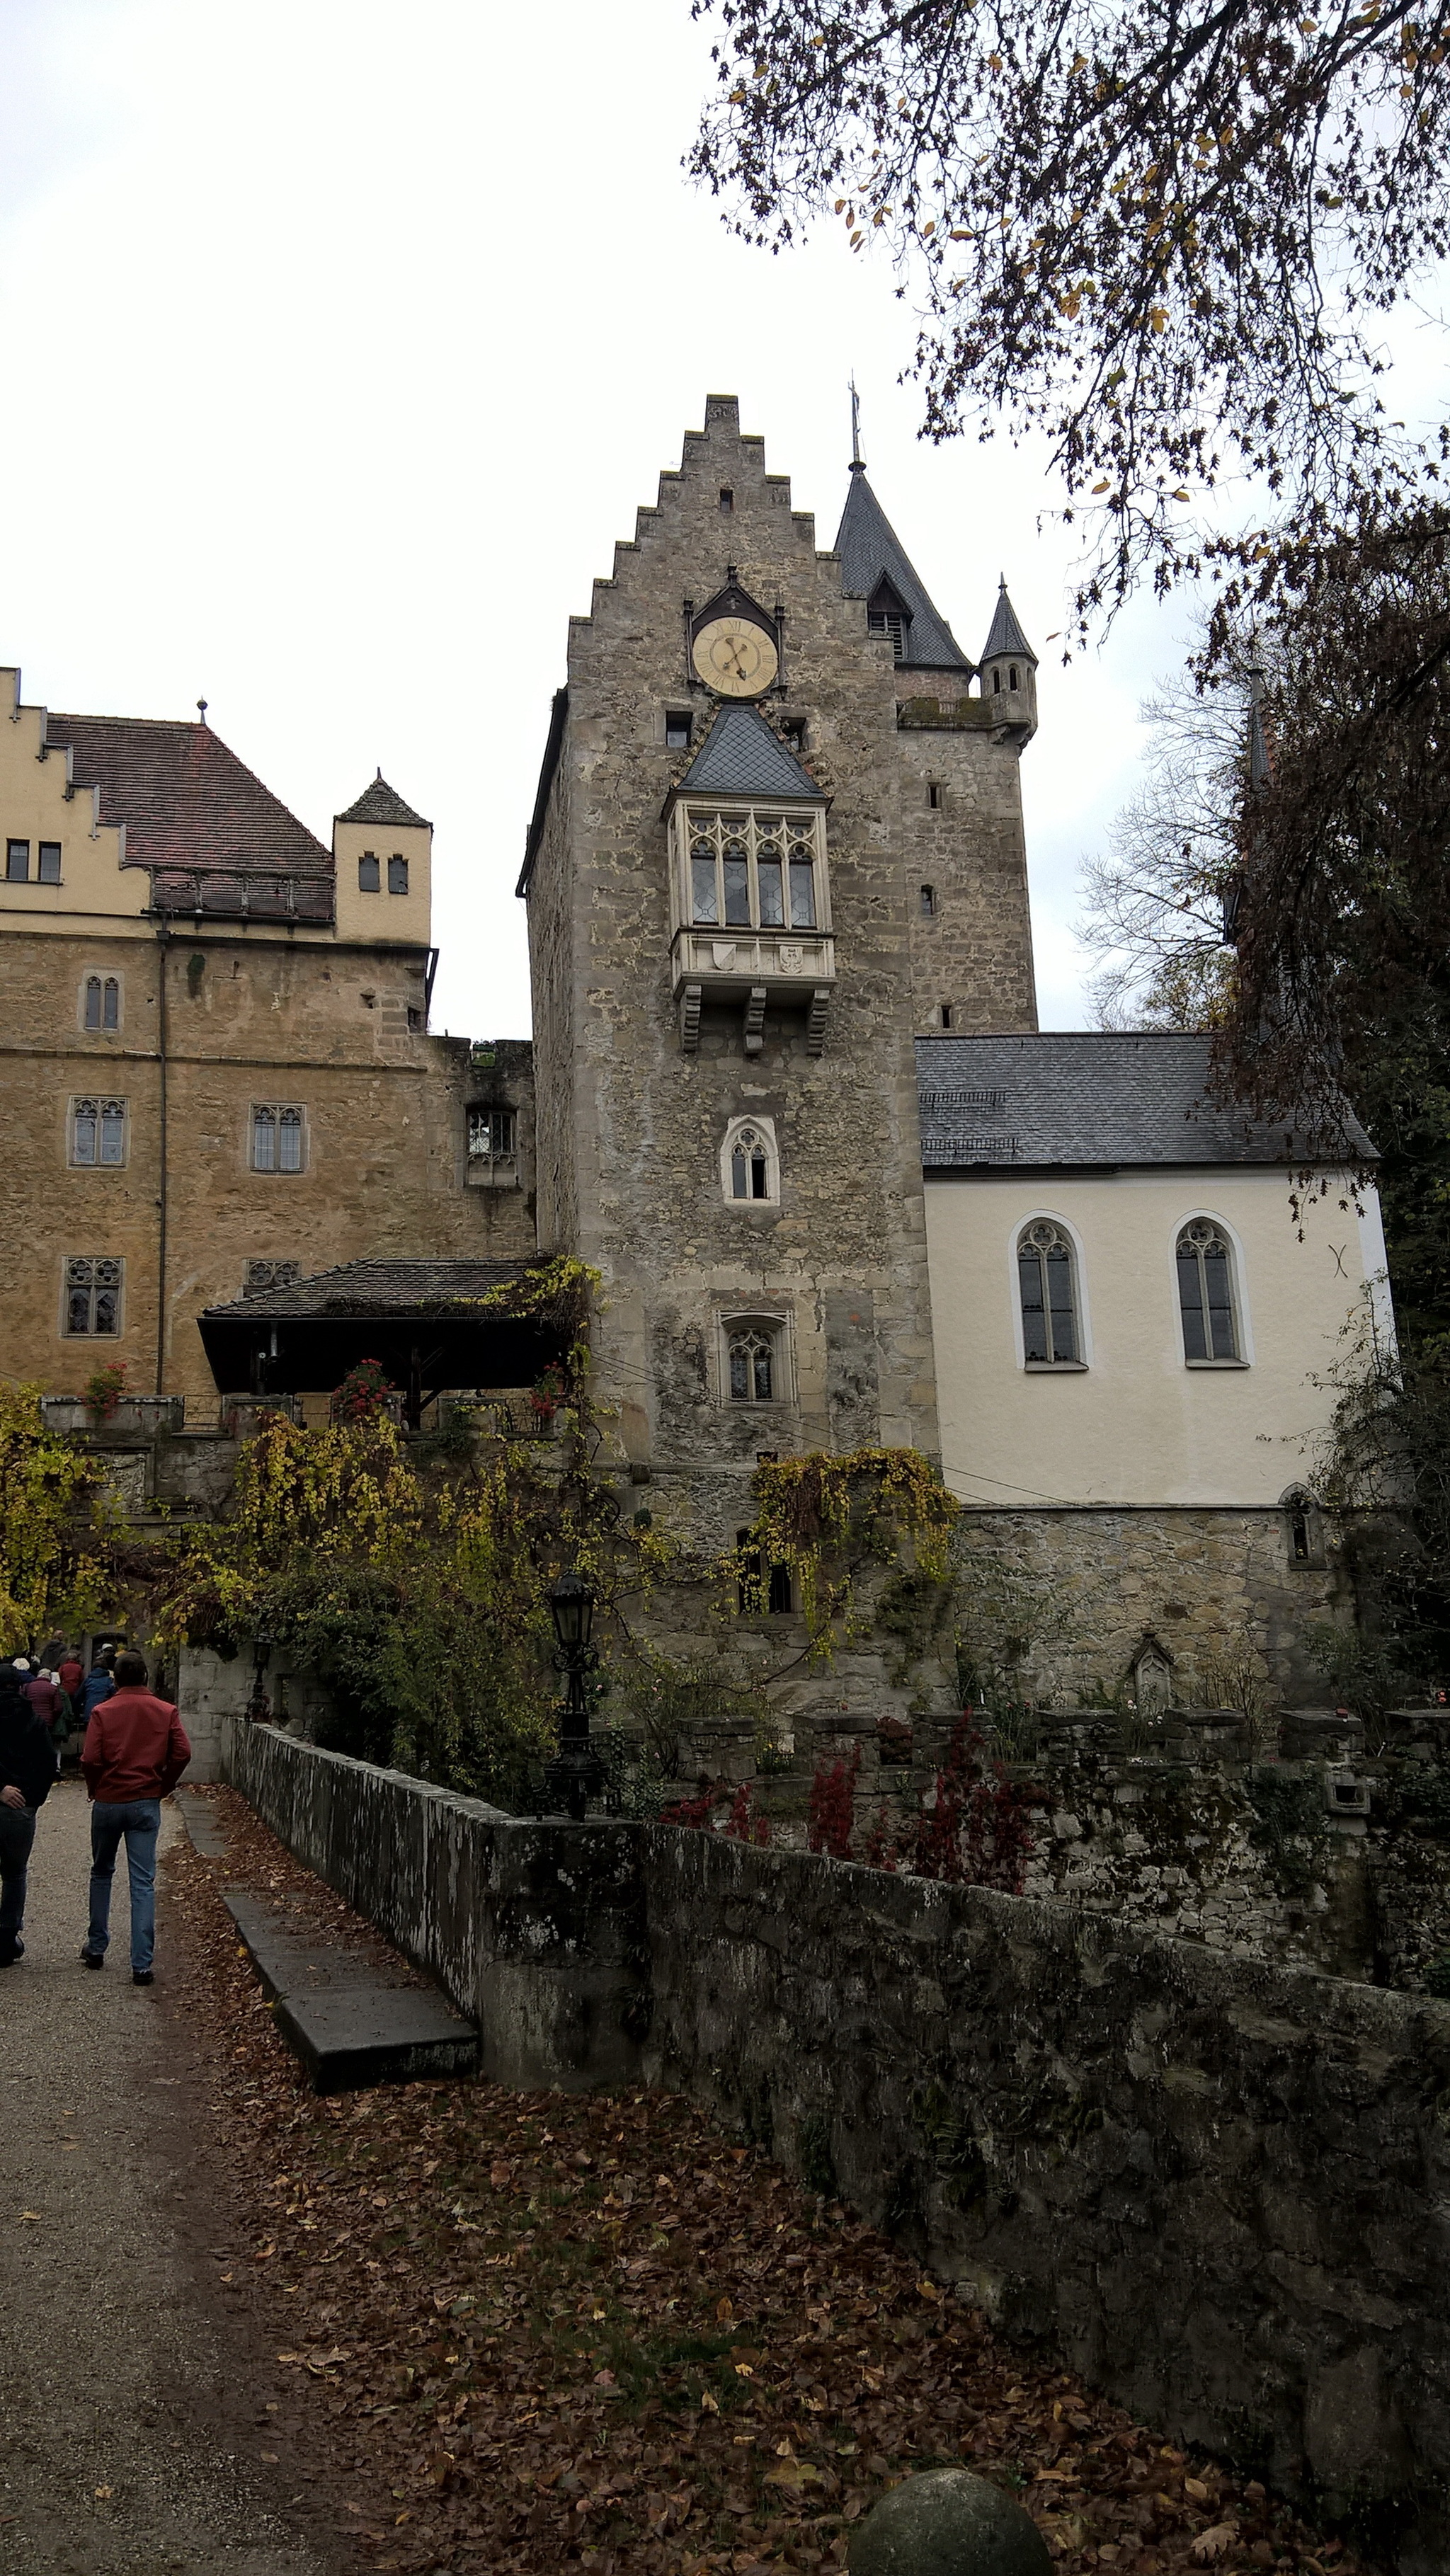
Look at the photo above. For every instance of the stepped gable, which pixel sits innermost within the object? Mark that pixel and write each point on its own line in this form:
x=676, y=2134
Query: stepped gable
x=186, y=800
x=1089, y=1099
x=740, y=756
x=872, y=554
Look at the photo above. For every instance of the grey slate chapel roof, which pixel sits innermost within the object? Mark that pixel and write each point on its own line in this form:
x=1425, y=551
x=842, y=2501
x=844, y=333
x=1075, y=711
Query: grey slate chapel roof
x=381, y=803
x=1089, y=1099
x=871, y=552
x=740, y=756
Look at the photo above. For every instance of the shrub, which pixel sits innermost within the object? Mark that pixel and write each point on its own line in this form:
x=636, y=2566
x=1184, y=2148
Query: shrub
x=831, y=1814
x=363, y=1395
x=104, y=1389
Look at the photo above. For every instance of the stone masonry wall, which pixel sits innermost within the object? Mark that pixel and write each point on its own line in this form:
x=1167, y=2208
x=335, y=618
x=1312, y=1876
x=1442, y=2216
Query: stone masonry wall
x=1216, y=2187
x=631, y=1125
x=322, y=1026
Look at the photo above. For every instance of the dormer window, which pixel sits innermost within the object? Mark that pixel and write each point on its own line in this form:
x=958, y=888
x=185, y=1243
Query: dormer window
x=886, y=614
x=753, y=871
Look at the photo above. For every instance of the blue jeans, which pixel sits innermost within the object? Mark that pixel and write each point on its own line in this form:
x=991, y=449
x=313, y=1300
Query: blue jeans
x=139, y=1820
x=17, y=1833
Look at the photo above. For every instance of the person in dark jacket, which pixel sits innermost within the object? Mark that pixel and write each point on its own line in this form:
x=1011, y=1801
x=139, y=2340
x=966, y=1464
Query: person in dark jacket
x=100, y=1682
x=27, y=1775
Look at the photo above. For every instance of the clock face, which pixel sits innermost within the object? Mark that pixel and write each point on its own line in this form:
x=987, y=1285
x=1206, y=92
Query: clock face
x=735, y=657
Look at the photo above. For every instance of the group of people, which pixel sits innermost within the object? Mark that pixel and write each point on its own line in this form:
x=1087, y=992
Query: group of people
x=135, y=1751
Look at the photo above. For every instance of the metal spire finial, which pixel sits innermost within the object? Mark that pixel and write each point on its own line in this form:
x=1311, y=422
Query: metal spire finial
x=201, y=709
x=858, y=462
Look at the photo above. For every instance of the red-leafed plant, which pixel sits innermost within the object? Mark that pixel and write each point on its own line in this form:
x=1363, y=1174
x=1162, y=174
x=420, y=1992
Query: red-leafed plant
x=548, y=1393
x=692, y=1811
x=977, y=1829
x=831, y=1814
x=879, y=1850
x=363, y=1394
x=104, y=1390
x=744, y=1824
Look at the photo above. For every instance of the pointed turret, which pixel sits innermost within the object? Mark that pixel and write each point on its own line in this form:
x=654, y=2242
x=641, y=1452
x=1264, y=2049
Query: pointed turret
x=875, y=567
x=1009, y=670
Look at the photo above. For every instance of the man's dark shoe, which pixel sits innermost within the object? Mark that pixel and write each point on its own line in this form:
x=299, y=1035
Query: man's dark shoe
x=140, y=1976
x=10, y=1951
x=93, y=1958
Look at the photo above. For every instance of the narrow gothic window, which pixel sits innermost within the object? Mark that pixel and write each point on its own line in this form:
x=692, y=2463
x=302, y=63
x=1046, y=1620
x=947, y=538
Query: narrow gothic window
x=933, y=793
x=752, y=1367
x=48, y=857
x=397, y=874
x=98, y=1132
x=1049, y=1308
x=727, y=498
x=1012, y=676
x=92, y=1297
x=947, y=1015
x=276, y=1139
x=103, y=1002
x=749, y=1166
x=17, y=862
x=369, y=873
x=1205, y=1293
x=928, y=903
x=997, y=683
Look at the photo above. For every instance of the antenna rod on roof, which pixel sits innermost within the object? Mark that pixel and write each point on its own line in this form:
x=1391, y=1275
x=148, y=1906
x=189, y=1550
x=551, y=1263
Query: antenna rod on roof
x=858, y=462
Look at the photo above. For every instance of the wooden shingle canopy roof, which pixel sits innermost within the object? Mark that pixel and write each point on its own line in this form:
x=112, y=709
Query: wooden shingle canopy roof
x=429, y=1325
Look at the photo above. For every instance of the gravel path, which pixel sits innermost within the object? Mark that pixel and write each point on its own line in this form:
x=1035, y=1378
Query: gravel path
x=124, y=2397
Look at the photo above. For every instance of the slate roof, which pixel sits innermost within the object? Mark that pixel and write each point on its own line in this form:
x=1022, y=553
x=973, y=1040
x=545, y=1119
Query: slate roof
x=740, y=756
x=1089, y=1100
x=871, y=552
x=381, y=803
x=1006, y=635
x=187, y=801
x=381, y=1288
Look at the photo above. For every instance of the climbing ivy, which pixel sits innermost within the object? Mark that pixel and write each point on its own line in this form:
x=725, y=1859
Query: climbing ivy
x=56, y=1528
x=828, y=1519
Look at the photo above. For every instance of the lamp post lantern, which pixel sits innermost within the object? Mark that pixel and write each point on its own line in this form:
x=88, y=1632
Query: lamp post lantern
x=576, y=1769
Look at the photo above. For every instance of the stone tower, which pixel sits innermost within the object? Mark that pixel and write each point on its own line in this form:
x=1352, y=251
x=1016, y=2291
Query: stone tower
x=776, y=835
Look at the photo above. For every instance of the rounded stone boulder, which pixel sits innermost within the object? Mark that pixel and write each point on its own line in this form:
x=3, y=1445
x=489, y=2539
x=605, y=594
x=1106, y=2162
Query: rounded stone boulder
x=948, y=2523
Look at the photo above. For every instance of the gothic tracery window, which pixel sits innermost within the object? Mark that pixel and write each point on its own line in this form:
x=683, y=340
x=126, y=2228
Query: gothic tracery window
x=102, y=1002
x=753, y=871
x=98, y=1132
x=92, y=1296
x=751, y=1353
x=276, y=1138
x=749, y=1171
x=1206, y=1293
x=1050, y=1335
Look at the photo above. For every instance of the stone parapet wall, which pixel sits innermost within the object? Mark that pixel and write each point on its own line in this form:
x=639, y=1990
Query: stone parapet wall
x=1216, y=2186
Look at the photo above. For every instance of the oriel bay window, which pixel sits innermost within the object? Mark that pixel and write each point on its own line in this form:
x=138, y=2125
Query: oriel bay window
x=753, y=871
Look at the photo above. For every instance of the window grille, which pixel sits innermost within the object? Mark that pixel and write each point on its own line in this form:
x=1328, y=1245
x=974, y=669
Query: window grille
x=98, y=1132
x=1050, y=1335
x=92, y=1297
x=258, y=1276
x=17, y=862
x=752, y=1366
x=397, y=874
x=749, y=1165
x=753, y=871
x=276, y=1138
x=103, y=1002
x=1205, y=1293
x=48, y=862
x=492, y=1134
x=369, y=873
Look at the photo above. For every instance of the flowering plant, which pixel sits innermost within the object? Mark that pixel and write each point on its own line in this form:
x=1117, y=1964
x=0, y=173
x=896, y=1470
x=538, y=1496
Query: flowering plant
x=363, y=1395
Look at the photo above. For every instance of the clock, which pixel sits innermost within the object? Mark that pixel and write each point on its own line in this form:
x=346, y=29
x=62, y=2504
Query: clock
x=735, y=656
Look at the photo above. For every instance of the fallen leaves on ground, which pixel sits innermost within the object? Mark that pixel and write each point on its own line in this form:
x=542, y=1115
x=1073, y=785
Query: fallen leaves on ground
x=539, y=2331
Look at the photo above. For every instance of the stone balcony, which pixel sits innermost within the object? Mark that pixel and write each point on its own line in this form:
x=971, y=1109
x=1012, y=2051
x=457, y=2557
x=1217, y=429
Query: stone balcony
x=751, y=969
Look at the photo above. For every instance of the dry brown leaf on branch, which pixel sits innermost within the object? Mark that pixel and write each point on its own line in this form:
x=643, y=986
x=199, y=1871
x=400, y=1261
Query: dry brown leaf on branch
x=1216, y=2542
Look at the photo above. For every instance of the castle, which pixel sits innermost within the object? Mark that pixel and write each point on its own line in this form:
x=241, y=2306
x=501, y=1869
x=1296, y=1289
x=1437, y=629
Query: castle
x=786, y=1094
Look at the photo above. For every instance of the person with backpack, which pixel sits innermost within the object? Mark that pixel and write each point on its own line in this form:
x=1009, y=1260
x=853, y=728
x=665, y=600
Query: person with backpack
x=27, y=1776
x=135, y=1751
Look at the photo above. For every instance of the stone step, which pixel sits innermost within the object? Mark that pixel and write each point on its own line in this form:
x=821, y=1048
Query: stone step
x=352, y=2022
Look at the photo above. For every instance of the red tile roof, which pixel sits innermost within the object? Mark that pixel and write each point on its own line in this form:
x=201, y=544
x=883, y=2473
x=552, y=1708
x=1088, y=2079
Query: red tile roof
x=187, y=801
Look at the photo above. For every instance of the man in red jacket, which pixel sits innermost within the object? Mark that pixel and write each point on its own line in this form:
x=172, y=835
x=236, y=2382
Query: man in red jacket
x=134, y=1753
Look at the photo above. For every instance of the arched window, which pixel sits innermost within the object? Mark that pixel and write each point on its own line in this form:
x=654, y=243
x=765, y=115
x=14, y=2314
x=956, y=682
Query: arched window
x=98, y=1132
x=749, y=1173
x=1050, y=1336
x=928, y=903
x=1012, y=676
x=102, y=1002
x=1206, y=1293
x=1305, y=1530
x=751, y=1354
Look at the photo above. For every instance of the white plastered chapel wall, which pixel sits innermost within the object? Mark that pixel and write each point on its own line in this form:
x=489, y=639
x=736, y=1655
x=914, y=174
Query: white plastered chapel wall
x=1138, y=1426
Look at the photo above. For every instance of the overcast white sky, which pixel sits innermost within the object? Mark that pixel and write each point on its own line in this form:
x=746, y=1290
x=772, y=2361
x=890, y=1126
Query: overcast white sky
x=343, y=340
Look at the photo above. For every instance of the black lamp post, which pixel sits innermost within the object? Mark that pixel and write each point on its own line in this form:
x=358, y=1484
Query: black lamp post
x=576, y=1768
